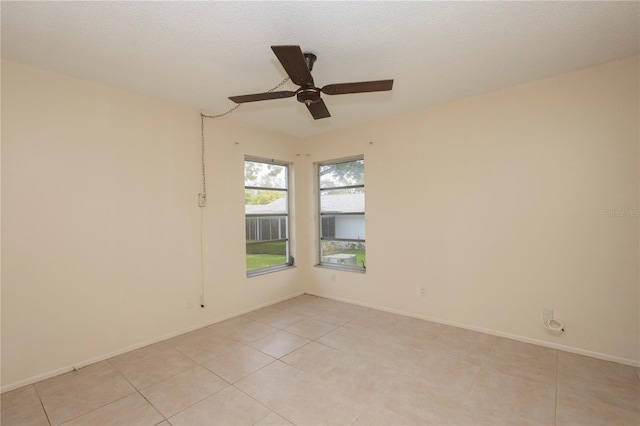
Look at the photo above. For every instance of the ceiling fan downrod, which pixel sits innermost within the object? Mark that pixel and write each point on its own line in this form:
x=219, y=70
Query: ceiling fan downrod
x=309, y=58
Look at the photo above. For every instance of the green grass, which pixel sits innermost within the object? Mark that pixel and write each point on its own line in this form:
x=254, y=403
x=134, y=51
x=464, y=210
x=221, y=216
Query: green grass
x=257, y=261
x=267, y=247
x=265, y=254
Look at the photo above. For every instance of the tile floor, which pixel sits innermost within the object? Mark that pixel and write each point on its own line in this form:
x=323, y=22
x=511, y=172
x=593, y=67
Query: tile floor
x=312, y=361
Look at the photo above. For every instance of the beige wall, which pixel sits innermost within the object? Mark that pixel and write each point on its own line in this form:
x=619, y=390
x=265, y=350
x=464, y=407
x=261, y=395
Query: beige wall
x=100, y=226
x=497, y=204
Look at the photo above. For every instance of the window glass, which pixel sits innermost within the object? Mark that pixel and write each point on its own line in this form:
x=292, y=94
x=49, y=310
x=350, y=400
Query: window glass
x=341, y=174
x=342, y=253
x=265, y=201
x=342, y=200
x=264, y=175
x=266, y=216
x=342, y=214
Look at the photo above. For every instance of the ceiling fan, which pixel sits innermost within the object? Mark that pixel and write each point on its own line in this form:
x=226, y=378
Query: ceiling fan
x=298, y=66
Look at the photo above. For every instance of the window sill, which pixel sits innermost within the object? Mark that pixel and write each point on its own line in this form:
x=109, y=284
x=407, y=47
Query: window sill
x=341, y=268
x=264, y=271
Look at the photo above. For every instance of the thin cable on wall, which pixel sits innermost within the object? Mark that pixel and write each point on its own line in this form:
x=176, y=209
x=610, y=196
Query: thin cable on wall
x=204, y=174
x=201, y=257
x=202, y=197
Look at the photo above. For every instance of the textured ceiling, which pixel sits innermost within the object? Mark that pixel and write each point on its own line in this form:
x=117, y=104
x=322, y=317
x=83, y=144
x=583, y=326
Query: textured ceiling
x=199, y=53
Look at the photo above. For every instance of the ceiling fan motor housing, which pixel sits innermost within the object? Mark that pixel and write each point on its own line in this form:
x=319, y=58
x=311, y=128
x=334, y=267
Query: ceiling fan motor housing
x=308, y=95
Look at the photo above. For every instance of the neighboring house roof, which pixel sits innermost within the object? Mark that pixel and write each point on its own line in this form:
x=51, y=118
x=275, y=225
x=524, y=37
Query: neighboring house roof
x=344, y=203
x=275, y=207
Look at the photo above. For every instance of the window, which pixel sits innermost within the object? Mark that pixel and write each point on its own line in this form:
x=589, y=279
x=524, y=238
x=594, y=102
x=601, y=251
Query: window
x=266, y=207
x=341, y=201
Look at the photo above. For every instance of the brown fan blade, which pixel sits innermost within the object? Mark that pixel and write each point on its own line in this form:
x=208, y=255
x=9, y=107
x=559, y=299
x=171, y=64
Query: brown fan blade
x=293, y=62
x=262, y=96
x=360, y=87
x=318, y=110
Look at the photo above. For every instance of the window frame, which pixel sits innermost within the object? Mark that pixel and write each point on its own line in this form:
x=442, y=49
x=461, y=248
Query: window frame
x=344, y=267
x=260, y=217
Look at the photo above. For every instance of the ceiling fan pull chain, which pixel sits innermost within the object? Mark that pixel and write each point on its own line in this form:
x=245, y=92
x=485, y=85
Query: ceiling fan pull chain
x=203, y=194
x=203, y=116
x=277, y=86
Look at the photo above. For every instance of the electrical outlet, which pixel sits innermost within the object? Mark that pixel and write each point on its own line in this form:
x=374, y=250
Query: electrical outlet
x=547, y=314
x=333, y=278
x=189, y=303
x=202, y=200
x=422, y=291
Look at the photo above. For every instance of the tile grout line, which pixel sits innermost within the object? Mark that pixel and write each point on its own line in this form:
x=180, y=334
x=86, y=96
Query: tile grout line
x=42, y=404
x=94, y=409
x=200, y=400
x=136, y=391
x=292, y=366
x=252, y=398
x=555, y=408
x=177, y=374
x=151, y=404
x=190, y=406
x=102, y=406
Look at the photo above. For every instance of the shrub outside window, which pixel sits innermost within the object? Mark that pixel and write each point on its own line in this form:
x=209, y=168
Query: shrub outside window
x=342, y=214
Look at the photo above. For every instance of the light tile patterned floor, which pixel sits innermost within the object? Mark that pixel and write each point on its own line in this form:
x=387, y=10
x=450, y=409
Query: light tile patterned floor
x=312, y=361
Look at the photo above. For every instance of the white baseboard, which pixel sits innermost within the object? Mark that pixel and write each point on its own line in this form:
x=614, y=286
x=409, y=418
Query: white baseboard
x=571, y=349
x=84, y=363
